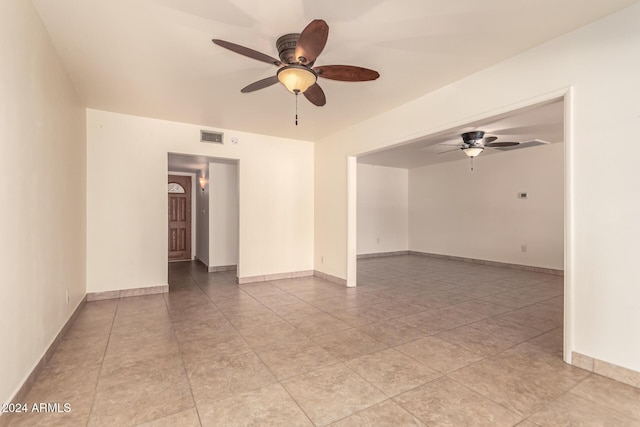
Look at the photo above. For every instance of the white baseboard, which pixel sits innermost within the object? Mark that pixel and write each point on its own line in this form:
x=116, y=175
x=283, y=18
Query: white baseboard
x=276, y=276
x=124, y=293
x=606, y=369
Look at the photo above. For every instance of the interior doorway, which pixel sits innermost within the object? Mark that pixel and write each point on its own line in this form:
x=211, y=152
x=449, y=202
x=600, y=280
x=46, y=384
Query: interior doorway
x=179, y=217
x=447, y=185
x=214, y=208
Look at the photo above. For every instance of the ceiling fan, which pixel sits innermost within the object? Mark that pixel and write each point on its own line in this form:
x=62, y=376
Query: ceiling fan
x=474, y=143
x=296, y=70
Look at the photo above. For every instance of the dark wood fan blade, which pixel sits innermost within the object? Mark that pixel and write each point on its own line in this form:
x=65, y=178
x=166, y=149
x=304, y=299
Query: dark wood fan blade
x=346, y=73
x=311, y=41
x=315, y=95
x=489, y=139
x=449, y=151
x=502, y=144
x=254, y=54
x=260, y=84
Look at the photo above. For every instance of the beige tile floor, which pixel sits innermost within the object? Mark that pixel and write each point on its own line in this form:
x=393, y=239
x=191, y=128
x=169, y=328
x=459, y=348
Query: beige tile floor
x=419, y=342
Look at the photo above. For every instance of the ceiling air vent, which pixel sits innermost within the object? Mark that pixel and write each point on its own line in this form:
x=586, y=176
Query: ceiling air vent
x=211, y=137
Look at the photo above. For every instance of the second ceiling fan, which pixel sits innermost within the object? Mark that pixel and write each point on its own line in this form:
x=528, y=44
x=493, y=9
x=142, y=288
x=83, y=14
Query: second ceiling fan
x=474, y=143
x=296, y=70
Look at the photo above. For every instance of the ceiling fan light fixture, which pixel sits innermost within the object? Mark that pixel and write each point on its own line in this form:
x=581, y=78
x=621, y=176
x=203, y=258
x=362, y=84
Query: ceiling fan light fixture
x=297, y=78
x=472, y=151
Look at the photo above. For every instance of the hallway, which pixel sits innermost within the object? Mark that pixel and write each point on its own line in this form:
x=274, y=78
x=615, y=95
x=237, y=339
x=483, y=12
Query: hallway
x=420, y=341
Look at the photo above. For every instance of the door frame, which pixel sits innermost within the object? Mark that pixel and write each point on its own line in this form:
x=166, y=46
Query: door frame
x=193, y=207
x=566, y=94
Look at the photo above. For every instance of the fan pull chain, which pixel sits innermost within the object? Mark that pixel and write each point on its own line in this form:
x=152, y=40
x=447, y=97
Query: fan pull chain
x=297, y=92
x=472, y=164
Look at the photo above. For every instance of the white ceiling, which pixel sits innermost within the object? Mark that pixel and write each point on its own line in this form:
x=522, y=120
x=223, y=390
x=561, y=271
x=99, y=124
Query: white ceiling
x=155, y=58
x=543, y=121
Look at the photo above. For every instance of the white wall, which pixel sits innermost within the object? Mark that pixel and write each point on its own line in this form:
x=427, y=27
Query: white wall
x=382, y=209
x=477, y=214
x=223, y=220
x=42, y=170
x=201, y=216
x=599, y=62
x=127, y=199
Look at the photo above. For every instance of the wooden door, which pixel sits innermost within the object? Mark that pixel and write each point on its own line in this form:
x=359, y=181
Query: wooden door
x=179, y=188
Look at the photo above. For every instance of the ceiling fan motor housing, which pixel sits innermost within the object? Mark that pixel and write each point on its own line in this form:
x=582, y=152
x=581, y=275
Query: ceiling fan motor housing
x=470, y=138
x=287, y=47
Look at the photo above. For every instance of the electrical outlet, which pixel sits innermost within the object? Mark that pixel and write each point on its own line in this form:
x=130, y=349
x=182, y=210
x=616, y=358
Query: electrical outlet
x=322, y=260
x=523, y=248
x=66, y=292
x=378, y=240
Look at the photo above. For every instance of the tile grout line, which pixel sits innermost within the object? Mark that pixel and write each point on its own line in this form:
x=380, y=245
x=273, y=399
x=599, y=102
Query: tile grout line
x=569, y=391
x=106, y=348
x=342, y=362
x=356, y=328
x=281, y=382
x=241, y=336
x=407, y=285
x=486, y=397
x=278, y=381
x=184, y=368
x=493, y=357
